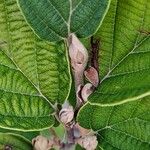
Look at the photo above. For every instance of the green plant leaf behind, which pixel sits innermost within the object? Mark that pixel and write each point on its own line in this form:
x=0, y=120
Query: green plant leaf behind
x=53, y=20
x=124, y=57
x=120, y=127
x=28, y=135
x=14, y=141
x=33, y=74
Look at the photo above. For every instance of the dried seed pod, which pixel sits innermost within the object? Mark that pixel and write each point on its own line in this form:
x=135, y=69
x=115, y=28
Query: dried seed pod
x=92, y=76
x=66, y=114
x=87, y=90
x=88, y=142
x=42, y=143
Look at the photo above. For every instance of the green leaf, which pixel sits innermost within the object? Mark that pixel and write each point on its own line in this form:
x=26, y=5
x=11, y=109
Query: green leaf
x=72, y=94
x=124, y=61
x=28, y=135
x=33, y=74
x=120, y=127
x=53, y=20
x=14, y=142
x=78, y=147
x=58, y=131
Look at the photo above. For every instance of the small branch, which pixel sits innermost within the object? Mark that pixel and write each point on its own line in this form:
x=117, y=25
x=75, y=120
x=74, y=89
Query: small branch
x=95, y=44
x=56, y=138
x=78, y=61
x=70, y=136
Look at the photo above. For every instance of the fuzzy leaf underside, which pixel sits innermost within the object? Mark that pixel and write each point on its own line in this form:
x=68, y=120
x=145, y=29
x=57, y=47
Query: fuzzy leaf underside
x=33, y=73
x=14, y=142
x=120, y=127
x=53, y=20
x=124, y=57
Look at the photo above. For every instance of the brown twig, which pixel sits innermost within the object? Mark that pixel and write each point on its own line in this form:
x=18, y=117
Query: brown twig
x=95, y=44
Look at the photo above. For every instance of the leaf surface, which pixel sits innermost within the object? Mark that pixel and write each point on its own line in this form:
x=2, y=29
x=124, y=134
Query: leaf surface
x=33, y=74
x=124, y=57
x=120, y=127
x=28, y=135
x=14, y=142
x=53, y=20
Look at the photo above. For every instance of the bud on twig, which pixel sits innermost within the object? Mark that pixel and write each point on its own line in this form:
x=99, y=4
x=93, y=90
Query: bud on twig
x=80, y=131
x=88, y=142
x=92, y=75
x=79, y=58
x=66, y=114
x=77, y=53
x=87, y=90
x=42, y=143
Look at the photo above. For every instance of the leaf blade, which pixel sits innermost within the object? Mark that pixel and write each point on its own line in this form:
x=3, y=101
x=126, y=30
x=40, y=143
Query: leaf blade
x=14, y=141
x=124, y=54
x=45, y=17
x=121, y=127
x=30, y=76
x=23, y=112
x=54, y=22
x=87, y=16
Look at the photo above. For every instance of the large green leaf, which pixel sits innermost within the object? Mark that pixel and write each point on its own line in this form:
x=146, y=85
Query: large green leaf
x=33, y=73
x=14, y=142
x=53, y=20
x=124, y=58
x=28, y=135
x=121, y=127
